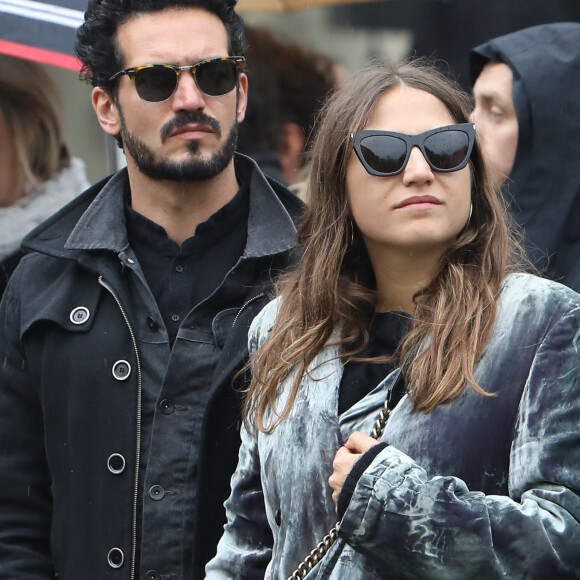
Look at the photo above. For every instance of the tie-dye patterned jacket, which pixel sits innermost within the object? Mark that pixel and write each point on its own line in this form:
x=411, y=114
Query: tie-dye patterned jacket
x=481, y=488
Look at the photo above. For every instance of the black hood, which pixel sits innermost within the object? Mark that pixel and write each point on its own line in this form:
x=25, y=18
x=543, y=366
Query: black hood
x=544, y=185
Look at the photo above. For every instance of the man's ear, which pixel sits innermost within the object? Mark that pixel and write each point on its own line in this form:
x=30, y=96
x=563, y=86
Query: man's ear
x=290, y=148
x=106, y=111
x=242, y=97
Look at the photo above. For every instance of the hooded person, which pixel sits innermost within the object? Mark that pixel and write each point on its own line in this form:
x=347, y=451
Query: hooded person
x=527, y=115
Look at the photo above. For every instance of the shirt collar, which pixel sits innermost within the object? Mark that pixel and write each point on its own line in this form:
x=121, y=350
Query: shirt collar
x=270, y=227
x=219, y=225
x=102, y=226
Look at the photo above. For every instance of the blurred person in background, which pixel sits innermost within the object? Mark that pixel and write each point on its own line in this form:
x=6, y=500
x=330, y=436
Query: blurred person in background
x=527, y=114
x=289, y=86
x=38, y=175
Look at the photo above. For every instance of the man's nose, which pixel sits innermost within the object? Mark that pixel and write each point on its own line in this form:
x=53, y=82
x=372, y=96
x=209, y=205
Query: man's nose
x=187, y=95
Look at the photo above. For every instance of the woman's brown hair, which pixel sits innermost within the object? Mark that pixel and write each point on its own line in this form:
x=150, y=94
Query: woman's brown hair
x=30, y=103
x=333, y=284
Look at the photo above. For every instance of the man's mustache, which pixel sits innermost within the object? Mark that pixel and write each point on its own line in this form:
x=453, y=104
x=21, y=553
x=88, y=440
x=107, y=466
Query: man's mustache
x=182, y=119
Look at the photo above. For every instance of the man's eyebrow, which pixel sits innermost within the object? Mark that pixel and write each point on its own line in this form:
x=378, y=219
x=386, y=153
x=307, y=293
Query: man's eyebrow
x=491, y=94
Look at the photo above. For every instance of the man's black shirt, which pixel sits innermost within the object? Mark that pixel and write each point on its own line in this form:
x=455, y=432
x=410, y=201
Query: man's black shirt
x=180, y=277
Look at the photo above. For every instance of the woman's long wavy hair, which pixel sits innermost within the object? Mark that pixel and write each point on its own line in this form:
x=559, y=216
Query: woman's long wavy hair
x=333, y=285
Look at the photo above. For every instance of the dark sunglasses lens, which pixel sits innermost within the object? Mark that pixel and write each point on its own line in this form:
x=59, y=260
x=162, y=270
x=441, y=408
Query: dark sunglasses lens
x=155, y=84
x=217, y=77
x=384, y=153
x=447, y=149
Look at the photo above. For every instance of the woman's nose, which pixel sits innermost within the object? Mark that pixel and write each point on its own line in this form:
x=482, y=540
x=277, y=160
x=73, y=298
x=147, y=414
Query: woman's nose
x=417, y=169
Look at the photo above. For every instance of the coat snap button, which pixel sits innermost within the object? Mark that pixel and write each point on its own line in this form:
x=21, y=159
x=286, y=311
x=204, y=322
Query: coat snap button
x=166, y=407
x=157, y=492
x=116, y=463
x=115, y=557
x=152, y=575
x=79, y=315
x=121, y=370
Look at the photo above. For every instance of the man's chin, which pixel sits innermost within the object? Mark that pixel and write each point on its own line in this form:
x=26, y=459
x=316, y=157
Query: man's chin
x=190, y=169
x=191, y=165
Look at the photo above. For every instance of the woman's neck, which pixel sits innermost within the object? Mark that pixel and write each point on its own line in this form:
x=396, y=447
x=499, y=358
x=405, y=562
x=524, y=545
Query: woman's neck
x=400, y=276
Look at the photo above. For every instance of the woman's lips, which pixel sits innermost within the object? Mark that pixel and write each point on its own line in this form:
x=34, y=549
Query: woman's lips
x=419, y=200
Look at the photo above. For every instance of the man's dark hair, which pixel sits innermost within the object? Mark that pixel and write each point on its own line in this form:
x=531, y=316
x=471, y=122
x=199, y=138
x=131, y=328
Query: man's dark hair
x=96, y=46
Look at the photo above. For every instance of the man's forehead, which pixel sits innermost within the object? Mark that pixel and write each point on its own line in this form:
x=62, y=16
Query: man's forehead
x=494, y=81
x=173, y=36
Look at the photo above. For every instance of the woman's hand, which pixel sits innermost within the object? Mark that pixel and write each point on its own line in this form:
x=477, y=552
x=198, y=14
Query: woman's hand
x=357, y=444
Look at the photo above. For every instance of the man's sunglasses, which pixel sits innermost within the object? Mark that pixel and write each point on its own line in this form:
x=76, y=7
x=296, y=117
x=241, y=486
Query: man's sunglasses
x=387, y=153
x=157, y=82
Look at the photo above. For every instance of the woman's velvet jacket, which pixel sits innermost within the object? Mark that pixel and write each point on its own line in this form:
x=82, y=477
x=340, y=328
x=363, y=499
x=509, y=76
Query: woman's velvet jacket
x=483, y=487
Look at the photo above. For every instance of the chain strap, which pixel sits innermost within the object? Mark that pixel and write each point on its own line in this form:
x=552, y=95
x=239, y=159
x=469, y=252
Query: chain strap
x=322, y=548
x=315, y=555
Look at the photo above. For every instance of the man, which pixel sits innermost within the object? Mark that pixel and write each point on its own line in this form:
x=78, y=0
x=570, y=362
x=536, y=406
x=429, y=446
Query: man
x=527, y=115
x=122, y=328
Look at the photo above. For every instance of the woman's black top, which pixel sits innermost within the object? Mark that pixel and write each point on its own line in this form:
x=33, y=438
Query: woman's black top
x=360, y=378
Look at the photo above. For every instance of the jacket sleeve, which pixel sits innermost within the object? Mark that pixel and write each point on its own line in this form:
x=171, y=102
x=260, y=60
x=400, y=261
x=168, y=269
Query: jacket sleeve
x=25, y=499
x=406, y=522
x=245, y=548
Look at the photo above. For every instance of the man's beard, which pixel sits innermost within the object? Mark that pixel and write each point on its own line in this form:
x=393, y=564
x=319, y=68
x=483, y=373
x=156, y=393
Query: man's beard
x=189, y=169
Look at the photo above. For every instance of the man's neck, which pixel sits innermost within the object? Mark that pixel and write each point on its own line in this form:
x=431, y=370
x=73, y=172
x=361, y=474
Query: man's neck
x=179, y=207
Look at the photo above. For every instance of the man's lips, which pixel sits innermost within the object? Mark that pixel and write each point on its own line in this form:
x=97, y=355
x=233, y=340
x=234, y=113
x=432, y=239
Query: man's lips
x=191, y=131
x=419, y=200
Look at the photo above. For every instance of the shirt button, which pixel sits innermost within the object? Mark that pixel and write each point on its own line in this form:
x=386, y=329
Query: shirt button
x=157, y=492
x=152, y=323
x=79, y=315
x=115, y=557
x=116, y=463
x=152, y=575
x=175, y=317
x=121, y=370
x=166, y=407
x=179, y=268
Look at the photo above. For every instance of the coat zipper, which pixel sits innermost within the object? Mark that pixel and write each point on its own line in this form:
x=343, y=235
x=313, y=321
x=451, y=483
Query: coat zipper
x=138, y=427
x=244, y=306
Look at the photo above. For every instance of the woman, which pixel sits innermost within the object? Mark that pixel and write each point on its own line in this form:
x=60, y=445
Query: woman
x=407, y=256
x=37, y=174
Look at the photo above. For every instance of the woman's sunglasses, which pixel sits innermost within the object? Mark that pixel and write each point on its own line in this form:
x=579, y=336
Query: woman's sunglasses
x=387, y=153
x=157, y=82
